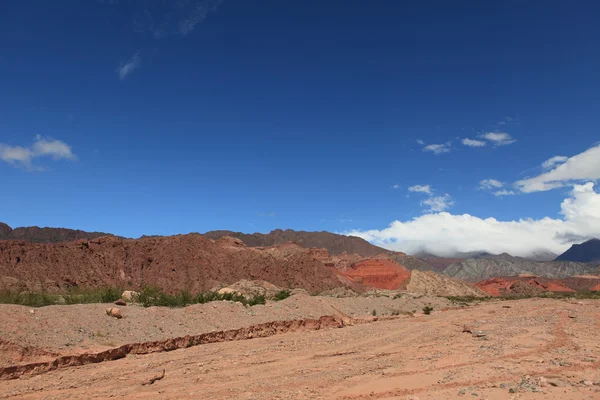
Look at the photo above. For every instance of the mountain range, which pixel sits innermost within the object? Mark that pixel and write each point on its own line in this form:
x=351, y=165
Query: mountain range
x=585, y=252
x=579, y=260
x=36, y=234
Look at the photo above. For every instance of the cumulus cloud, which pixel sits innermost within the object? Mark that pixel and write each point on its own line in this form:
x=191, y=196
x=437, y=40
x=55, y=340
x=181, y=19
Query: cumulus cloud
x=498, y=138
x=551, y=162
x=420, y=189
x=438, y=148
x=444, y=233
x=581, y=167
x=23, y=157
x=473, y=142
x=126, y=68
x=488, y=184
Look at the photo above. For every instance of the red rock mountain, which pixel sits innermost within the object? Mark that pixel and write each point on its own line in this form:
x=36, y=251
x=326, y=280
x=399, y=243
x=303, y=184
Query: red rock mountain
x=378, y=273
x=191, y=262
x=335, y=244
x=45, y=235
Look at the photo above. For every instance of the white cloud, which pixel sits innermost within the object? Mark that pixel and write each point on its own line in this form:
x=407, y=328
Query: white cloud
x=551, y=162
x=444, y=233
x=498, y=138
x=581, y=167
x=126, y=68
x=438, y=148
x=504, y=192
x=420, y=189
x=488, y=184
x=170, y=18
x=419, y=141
x=23, y=157
x=396, y=186
x=436, y=204
x=473, y=142
x=433, y=203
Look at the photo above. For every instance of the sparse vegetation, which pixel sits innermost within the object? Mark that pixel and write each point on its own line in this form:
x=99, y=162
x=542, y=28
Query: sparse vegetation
x=395, y=312
x=148, y=296
x=281, y=295
x=427, y=310
x=374, y=313
x=74, y=295
x=152, y=296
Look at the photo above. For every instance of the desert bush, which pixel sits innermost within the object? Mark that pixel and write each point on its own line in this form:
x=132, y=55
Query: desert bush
x=281, y=295
x=427, y=310
x=374, y=313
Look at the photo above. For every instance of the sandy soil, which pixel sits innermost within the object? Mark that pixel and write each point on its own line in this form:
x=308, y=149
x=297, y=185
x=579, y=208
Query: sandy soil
x=537, y=348
x=26, y=332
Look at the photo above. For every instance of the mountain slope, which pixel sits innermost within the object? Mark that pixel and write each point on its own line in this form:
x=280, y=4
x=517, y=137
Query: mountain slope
x=585, y=252
x=36, y=234
x=430, y=283
x=184, y=262
x=481, y=269
x=335, y=244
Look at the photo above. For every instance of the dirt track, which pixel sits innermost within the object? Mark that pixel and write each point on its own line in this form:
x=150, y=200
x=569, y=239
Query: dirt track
x=426, y=357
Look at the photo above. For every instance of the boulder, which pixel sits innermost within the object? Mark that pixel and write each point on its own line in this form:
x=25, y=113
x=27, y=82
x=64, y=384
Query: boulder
x=130, y=296
x=114, y=312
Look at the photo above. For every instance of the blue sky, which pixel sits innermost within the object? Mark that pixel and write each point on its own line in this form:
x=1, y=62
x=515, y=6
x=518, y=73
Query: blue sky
x=156, y=117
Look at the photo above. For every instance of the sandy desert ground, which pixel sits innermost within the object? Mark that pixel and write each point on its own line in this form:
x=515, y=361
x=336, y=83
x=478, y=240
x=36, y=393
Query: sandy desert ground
x=524, y=349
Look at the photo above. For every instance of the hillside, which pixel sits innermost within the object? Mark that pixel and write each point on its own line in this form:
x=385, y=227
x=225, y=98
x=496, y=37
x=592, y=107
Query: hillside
x=36, y=234
x=192, y=262
x=335, y=244
x=481, y=269
x=585, y=252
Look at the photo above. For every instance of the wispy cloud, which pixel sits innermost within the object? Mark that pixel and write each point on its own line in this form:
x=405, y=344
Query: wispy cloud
x=473, y=142
x=433, y=203
x=126, y=68
x=266, y=214
x=396, y=186
x=436, y=204
x=23, y=157
x=438, y=148
x=488, y=184
x=420, y=189
x=419, y=141
x=504, y=192
x=581, y=167
x=170, y=18
x=498, y=138
x=551, y=162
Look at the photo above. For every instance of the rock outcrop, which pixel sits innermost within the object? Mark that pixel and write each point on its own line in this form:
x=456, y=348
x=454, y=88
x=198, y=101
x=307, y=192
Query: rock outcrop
x=184, y=262
x=475, y=270
x=430, y=283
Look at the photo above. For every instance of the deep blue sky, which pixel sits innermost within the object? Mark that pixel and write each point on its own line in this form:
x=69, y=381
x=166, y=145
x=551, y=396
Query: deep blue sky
x=288, y=114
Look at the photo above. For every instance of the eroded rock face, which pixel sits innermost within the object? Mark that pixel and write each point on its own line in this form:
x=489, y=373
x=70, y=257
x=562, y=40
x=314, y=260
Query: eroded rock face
x=521, y=286
x=430, y=283
x=184, y=262
x=378, y=273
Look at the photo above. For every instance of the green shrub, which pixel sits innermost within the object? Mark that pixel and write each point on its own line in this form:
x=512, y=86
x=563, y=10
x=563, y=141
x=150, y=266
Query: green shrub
x=427, y=310
x=281, y=295
x=109, y=295
x=374, y=313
